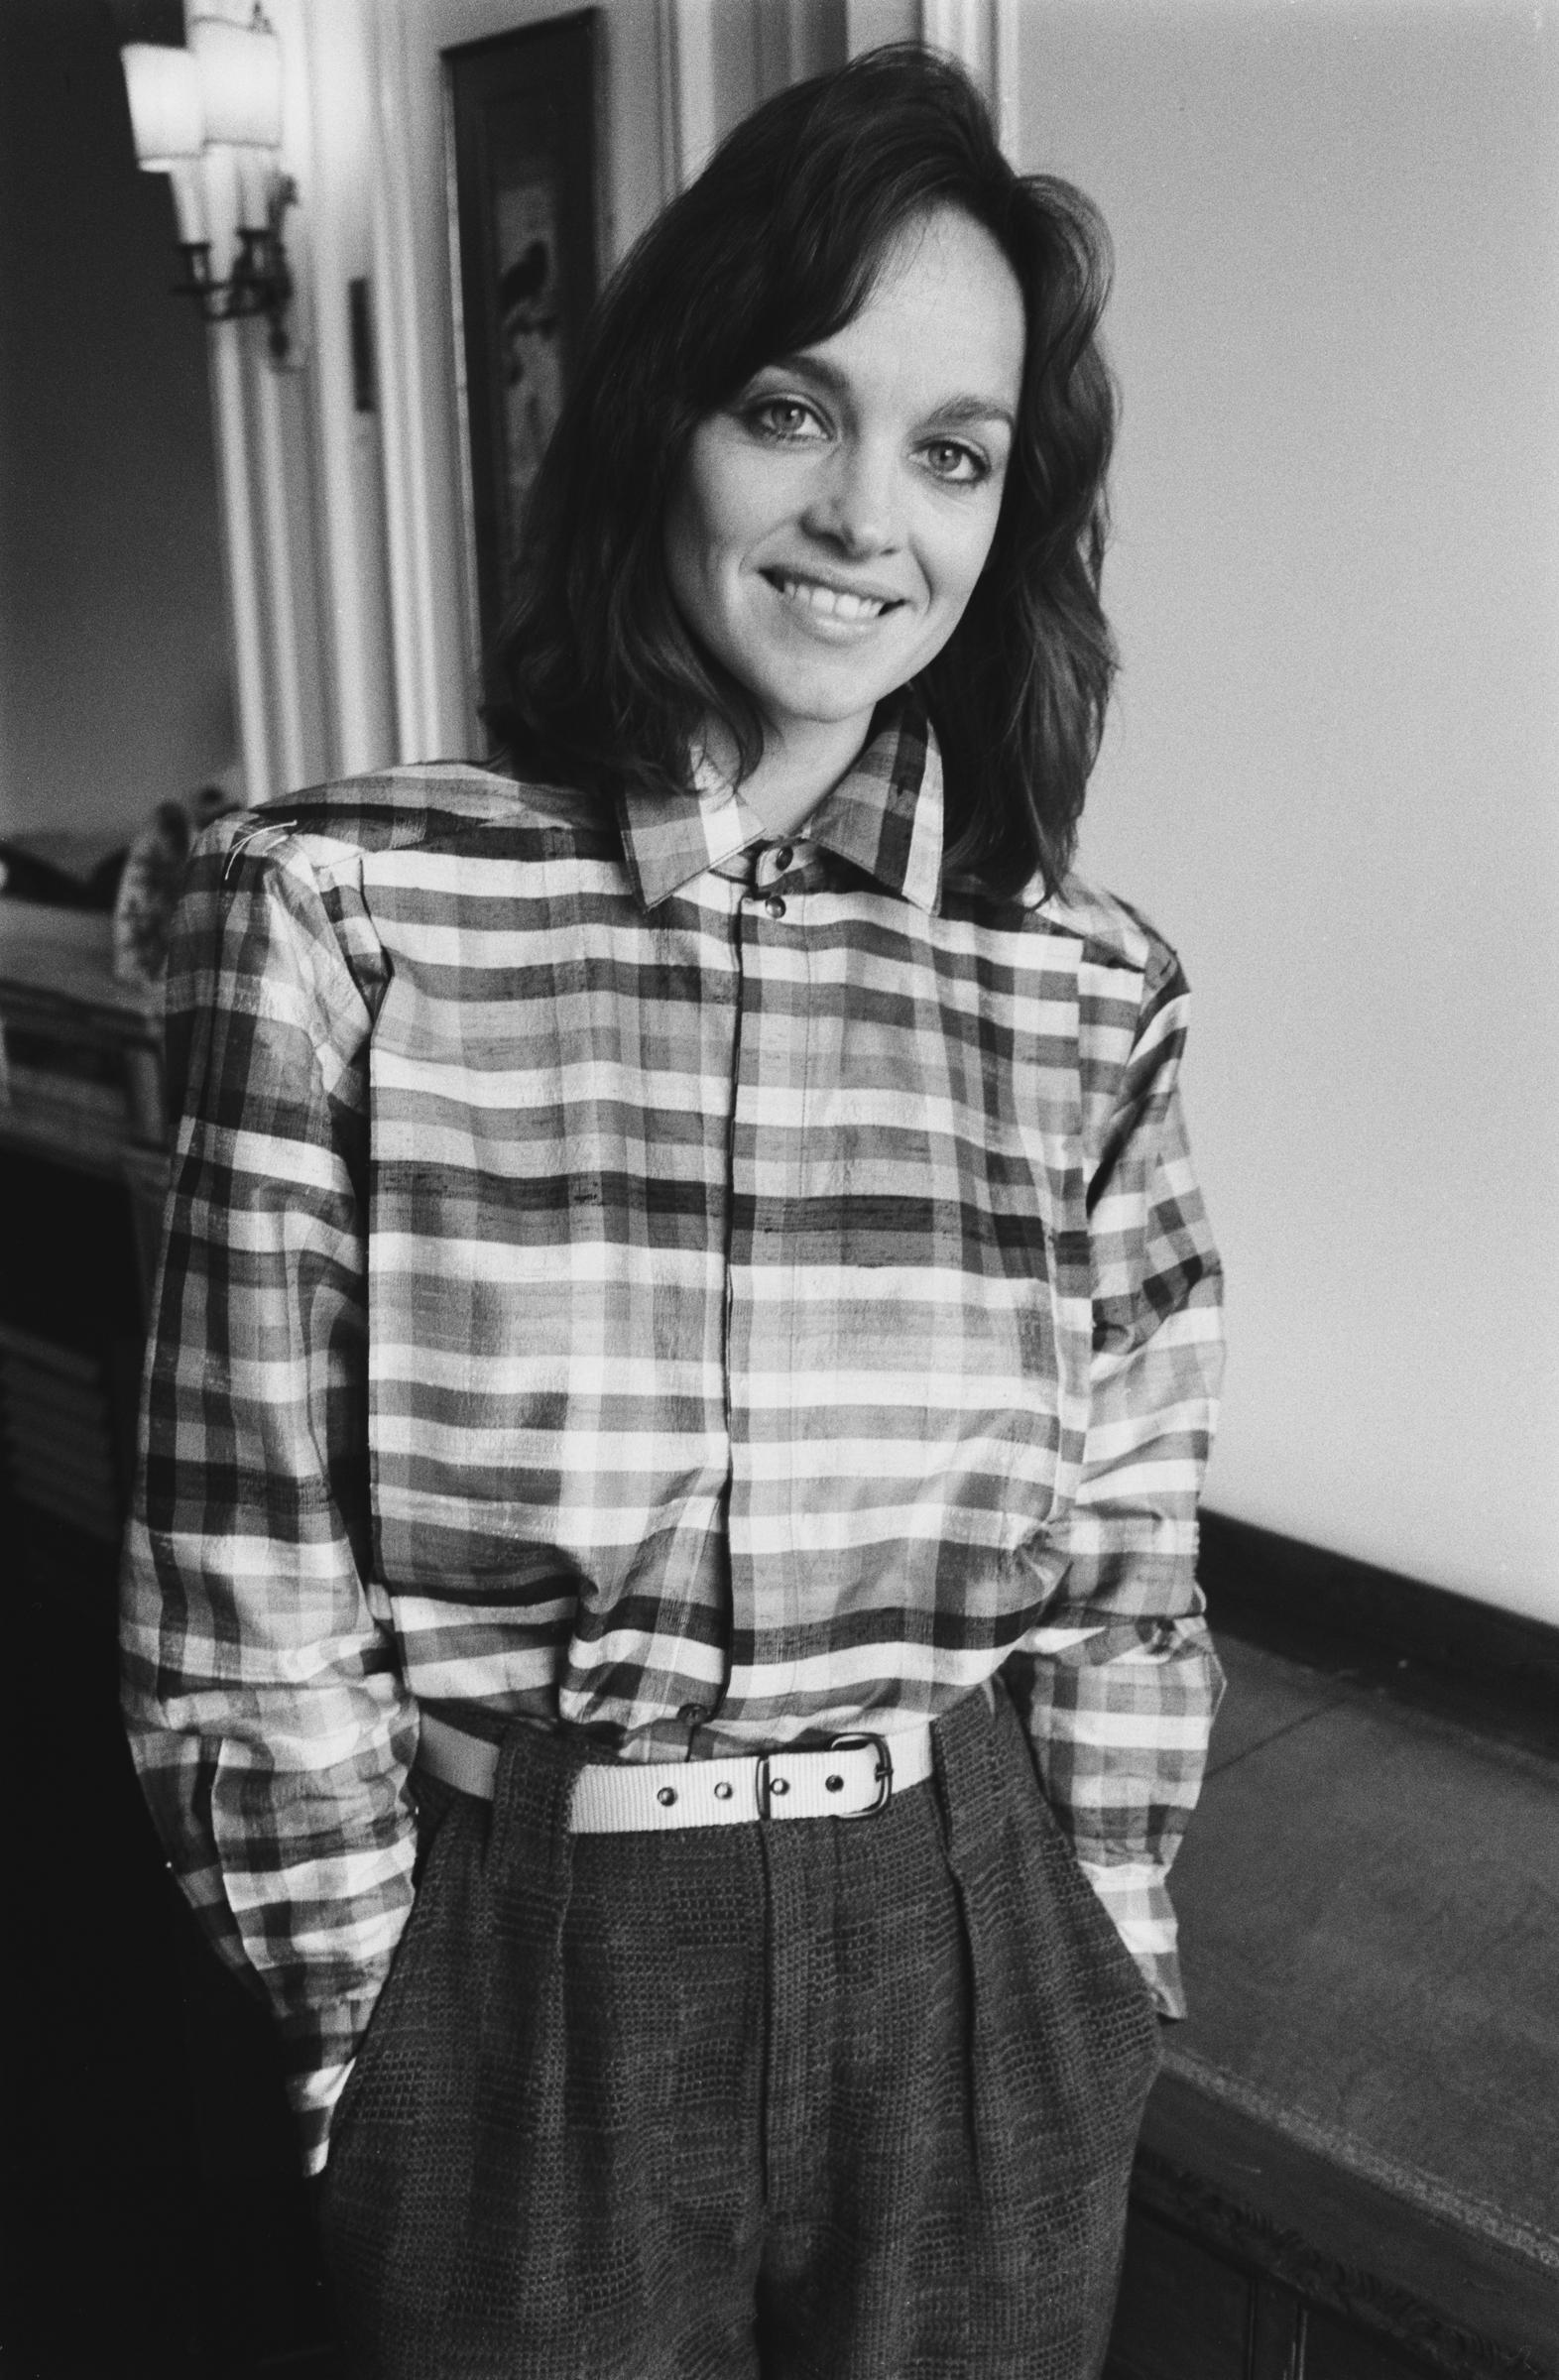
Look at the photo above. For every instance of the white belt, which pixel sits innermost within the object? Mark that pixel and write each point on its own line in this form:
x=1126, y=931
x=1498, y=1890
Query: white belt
x=854, y=1777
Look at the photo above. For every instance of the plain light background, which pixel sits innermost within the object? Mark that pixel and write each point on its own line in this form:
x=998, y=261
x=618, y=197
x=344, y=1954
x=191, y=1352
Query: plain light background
x=1333, y=771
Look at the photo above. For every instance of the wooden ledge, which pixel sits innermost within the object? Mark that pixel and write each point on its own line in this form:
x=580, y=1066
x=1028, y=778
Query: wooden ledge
x=1360, y=2115
x=1456, y=2286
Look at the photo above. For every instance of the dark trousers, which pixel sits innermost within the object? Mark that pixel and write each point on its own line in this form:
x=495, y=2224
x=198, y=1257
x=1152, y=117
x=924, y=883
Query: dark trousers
x=832, y=2100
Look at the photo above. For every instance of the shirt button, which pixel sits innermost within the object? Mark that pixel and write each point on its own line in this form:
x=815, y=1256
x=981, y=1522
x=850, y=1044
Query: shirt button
x=782, y=858
x=775, y=905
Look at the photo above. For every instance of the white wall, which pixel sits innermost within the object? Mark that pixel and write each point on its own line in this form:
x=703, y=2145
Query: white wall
x=1332, y=770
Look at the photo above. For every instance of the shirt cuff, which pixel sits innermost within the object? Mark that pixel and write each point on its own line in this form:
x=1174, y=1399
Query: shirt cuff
x=319, y=2060
x=1137, y=1900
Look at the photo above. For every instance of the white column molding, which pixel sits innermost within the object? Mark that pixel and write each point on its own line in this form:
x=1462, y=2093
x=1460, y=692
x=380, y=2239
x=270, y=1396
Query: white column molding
x=407, y=407
x=280, y=416
x=349, y=533
x=1004, y=76
x=961, y=29
x=262, y=435
x=283, y=463
x=270, y=463
x=689, y=110
x=241, y=556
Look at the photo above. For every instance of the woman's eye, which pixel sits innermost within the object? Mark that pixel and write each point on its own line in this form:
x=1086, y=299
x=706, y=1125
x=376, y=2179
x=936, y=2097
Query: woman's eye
x=782, y=419
x=960, y=464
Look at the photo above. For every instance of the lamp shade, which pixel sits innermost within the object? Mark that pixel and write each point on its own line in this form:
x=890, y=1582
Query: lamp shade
x=166, y=115
x=239, y=68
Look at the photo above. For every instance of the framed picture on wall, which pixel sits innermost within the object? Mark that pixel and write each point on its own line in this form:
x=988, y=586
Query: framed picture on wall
x=522, y=129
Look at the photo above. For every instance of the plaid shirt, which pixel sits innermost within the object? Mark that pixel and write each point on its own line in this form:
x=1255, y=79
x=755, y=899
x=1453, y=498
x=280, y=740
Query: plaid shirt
x=713, y=1293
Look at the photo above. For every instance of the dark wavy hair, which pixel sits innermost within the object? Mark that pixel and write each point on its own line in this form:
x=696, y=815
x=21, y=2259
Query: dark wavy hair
x=774, y=248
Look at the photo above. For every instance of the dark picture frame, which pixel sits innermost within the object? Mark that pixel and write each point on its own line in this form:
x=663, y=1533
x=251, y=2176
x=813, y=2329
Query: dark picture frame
x=522, y=118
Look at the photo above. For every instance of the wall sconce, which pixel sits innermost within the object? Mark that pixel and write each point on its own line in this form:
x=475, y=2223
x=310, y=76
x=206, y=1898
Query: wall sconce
x=209, y=117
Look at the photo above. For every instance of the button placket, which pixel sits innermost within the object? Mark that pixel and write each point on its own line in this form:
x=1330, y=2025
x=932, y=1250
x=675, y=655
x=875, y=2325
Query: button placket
x=773, y=865
x=771, y=1067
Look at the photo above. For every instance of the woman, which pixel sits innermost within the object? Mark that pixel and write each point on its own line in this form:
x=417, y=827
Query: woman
x=685, y=1348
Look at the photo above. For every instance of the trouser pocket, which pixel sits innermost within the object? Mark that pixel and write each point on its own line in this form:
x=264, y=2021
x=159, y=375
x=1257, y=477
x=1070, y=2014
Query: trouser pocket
x=1065, y=2041
x=390, y=2204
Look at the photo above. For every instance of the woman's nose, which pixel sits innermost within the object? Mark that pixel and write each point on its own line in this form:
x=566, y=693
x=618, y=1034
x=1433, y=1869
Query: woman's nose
x=856, y=506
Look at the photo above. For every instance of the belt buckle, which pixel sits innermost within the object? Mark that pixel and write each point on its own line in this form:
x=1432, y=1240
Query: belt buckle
x=884, y=1770
x=840, y=1743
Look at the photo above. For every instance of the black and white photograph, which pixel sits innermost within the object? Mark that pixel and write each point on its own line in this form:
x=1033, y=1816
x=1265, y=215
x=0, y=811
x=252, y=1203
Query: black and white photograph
x=779, y=1188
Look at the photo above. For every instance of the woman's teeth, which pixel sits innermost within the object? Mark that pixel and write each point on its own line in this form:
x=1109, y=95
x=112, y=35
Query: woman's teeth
x=830, y=601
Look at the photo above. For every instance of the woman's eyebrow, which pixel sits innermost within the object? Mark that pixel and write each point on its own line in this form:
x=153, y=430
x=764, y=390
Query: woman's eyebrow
x=965, y=409
x=975, y=409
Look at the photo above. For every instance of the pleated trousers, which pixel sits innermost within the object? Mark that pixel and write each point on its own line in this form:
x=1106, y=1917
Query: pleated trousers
x=820, y=2099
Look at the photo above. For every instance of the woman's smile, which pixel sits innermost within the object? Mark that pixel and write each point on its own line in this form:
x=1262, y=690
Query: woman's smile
x=824, y=606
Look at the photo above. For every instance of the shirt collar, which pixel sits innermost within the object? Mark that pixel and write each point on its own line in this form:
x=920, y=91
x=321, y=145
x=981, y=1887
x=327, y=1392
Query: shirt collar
x=883, y=816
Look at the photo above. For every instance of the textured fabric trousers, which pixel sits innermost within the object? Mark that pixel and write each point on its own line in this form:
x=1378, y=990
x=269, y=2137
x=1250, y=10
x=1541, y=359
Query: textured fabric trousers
x=829, y=2099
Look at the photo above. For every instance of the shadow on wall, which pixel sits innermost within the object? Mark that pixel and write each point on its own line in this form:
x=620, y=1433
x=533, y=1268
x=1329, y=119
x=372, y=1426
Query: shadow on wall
x=114, y=676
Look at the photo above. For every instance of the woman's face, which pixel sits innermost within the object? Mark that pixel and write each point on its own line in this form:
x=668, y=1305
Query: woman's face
x=831, y=522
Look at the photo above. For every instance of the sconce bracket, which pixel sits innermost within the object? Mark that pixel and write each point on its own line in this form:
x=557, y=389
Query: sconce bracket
x=261, y=282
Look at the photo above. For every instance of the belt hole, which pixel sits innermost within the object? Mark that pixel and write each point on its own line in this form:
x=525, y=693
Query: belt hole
x=666, y=1796
x=722, y=1793
x=780, y=1785
x=834, y=1784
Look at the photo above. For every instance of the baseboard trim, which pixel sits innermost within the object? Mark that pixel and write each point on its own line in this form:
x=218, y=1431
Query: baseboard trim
x=1424, y=1642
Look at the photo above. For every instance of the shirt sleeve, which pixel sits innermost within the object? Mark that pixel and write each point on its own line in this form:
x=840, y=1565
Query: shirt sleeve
x=1119, y=1683
x=266, y=1713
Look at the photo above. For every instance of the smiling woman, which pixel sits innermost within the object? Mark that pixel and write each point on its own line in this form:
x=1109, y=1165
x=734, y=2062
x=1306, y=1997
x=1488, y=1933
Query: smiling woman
x=660, y=1618
x=858, y=315
x=831, y=522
